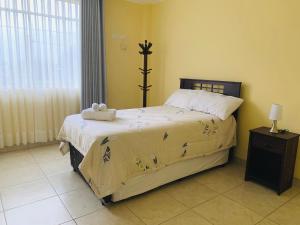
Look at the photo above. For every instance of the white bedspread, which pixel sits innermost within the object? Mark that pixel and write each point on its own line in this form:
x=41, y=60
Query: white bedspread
x=143, y=140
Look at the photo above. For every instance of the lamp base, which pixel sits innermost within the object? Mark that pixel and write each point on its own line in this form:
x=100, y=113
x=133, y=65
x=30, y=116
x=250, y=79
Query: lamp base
x=274, y=129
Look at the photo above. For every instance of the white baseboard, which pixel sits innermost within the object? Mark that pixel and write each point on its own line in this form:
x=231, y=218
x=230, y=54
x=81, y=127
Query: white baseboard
x=296, y=182
x=239, y=161
x=28, y=146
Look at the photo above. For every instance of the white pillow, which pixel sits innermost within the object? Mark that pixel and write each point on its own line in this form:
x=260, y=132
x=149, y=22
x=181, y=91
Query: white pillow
x=216, y=104
x=181, y=98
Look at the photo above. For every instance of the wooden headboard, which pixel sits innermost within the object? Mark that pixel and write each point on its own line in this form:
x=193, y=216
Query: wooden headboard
x=222, y=87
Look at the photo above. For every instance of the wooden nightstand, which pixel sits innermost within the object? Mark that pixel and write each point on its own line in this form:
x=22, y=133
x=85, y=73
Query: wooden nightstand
x=271, y=158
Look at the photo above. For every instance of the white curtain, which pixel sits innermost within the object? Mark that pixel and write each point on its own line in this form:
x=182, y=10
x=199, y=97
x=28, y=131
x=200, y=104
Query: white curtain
x=39, y=68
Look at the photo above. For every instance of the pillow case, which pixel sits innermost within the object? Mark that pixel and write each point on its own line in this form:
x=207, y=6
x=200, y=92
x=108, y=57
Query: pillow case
x=181, y=98
x=216, y=104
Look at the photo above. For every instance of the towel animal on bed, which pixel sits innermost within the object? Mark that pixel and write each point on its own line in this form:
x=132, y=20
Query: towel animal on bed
x=99, y=112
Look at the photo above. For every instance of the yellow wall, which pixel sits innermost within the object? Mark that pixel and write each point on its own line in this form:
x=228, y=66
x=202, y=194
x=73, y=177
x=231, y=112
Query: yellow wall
x=253, y=41
x=125, y=26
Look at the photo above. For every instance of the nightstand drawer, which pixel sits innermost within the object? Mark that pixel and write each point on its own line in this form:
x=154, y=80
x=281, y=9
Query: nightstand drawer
x=268, y=143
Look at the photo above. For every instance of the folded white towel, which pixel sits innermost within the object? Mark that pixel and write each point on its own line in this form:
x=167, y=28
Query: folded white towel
x=99, y=107
x=95, y=106
x=106, y=115
x=102, y=107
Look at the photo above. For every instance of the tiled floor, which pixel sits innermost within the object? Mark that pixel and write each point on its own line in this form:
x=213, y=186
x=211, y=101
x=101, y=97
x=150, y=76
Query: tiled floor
x=39, y=187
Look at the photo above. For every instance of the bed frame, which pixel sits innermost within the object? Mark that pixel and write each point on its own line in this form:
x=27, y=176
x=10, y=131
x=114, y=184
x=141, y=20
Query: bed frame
x=223, y=87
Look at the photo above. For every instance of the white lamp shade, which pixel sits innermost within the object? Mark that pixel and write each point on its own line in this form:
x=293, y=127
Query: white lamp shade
x=276, y=112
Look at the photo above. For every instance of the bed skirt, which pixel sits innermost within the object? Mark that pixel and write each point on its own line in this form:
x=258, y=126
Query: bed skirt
x=139, y=185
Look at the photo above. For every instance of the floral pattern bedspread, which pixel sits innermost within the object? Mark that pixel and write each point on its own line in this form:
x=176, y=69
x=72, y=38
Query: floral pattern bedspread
x=143, y=140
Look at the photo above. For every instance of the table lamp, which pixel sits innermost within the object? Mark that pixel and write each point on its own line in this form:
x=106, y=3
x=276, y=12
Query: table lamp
x=275, y=114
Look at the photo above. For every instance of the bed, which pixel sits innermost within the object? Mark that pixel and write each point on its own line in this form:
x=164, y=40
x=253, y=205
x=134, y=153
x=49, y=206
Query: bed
x=149, y=147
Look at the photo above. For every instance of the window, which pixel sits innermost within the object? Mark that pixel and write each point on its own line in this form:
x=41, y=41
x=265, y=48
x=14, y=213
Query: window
x=39, y=44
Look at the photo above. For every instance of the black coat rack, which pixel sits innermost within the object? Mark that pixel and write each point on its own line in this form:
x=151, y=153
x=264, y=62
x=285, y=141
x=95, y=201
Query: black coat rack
x=145, y=71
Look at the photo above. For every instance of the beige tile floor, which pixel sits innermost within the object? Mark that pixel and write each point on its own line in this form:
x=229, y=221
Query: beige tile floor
x=39, y=187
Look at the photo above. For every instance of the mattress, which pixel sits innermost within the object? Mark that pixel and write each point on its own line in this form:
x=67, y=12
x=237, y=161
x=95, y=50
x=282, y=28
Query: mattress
x=143, y=141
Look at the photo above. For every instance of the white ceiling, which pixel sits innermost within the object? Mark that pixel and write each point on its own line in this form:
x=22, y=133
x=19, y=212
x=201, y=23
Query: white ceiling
x=145, y=1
